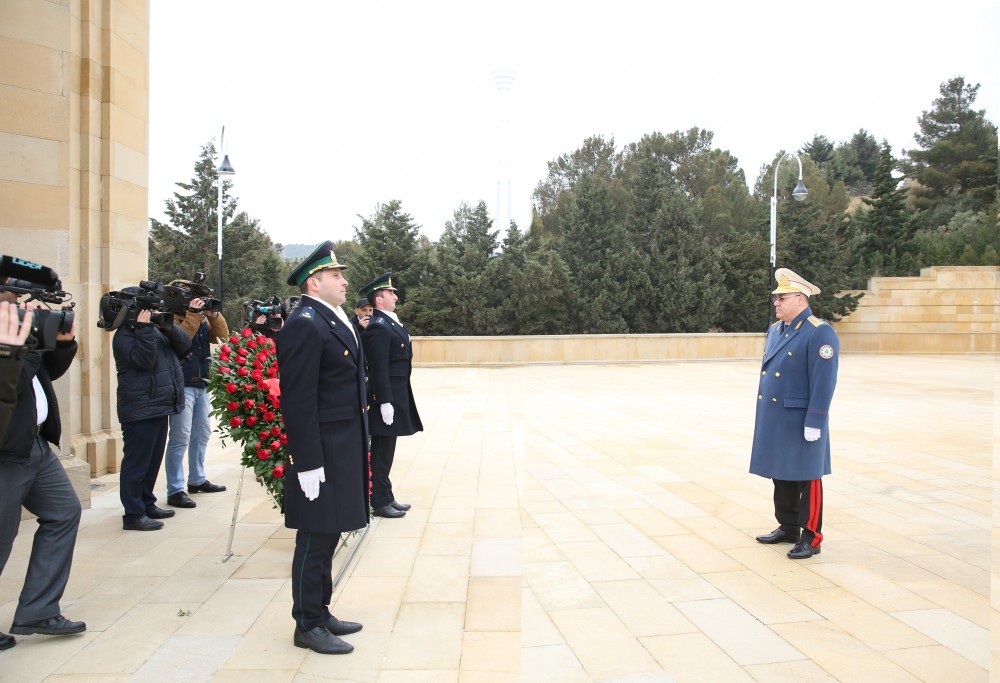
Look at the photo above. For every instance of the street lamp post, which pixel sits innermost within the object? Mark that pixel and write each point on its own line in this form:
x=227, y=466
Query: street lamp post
x=225, y=169
x=799, y=193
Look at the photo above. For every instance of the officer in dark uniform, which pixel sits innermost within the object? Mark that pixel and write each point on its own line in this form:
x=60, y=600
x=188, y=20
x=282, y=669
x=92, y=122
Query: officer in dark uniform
x=394, y=413
x=362, y=313
x=791, y=441
x=323, y=402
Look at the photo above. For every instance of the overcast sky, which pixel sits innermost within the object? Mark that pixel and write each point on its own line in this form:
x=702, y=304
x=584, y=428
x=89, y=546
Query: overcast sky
x=332, y=107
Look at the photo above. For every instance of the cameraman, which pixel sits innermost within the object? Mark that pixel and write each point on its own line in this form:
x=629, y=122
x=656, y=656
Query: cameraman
x=32, y=476
x=150, y=389
x=190, y=429
x=10, y=364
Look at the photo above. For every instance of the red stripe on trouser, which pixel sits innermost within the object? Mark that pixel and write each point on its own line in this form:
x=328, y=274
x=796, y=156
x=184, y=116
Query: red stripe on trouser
x=815, y=510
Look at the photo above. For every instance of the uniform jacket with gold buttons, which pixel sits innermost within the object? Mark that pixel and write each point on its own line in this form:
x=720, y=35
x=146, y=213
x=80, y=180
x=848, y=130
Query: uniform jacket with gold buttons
x=322, y=379
x=389, y=351
x=797, y=379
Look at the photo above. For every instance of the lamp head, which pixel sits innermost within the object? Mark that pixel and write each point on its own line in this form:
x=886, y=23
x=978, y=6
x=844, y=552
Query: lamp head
x=226, y=168
x=800, y=191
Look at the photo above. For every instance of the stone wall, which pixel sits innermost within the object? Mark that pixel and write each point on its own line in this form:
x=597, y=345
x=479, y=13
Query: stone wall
x=73, y=182
x=947, y=309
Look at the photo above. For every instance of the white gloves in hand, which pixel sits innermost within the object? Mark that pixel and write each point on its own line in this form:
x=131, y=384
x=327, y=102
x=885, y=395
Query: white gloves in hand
x=387, y=413
x=811, y=434
x=310, y=481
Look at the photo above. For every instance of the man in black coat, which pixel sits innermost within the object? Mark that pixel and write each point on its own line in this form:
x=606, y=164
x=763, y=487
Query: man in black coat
x=31, y=475
x=13, y=335
x=389, y=351
x=322, y=379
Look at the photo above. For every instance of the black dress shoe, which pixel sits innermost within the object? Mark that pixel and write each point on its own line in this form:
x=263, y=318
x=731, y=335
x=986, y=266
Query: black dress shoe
x=181, y=500
x=6, y=641
x=401, y=506
x=159, y=513
x=779, y=535
x=144, y=523
x=341, y=628
x=322, y=641
x=388, y=511
x=54, y=626
x=803, y=551
x=206, y=487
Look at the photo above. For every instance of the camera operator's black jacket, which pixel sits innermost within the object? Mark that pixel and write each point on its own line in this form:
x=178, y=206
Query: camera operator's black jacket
x=10, y=370
x=47, y=365
x=150, y=381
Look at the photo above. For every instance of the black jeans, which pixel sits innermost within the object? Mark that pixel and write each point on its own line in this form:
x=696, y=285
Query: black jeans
x=143, y=442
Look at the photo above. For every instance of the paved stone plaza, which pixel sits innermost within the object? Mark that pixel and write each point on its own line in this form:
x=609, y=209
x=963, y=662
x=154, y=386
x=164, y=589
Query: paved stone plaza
x=578, y=523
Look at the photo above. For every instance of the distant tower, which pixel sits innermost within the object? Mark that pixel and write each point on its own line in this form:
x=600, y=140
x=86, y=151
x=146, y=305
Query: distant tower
x=504, y=81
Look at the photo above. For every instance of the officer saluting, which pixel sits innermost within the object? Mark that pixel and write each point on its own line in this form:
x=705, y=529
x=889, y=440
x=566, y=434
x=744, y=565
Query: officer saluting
x=791, y=441
x=321, y=365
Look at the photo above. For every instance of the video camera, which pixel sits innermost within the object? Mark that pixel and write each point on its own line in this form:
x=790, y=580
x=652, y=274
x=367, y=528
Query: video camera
x=41, y=283
x=196, y=288
x=274, y=311
x=122, y=307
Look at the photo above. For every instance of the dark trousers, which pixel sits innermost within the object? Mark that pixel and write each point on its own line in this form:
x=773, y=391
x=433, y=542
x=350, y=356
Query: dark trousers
x=42, y=487
x=312, y=578
x=383, y=451
x=799, y=505
x=143, y=442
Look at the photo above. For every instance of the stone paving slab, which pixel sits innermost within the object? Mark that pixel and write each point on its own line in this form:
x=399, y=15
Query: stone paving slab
x=580, y=523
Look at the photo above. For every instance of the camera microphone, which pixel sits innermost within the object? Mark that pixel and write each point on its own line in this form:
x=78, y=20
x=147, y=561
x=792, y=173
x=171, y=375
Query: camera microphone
x=34, y=274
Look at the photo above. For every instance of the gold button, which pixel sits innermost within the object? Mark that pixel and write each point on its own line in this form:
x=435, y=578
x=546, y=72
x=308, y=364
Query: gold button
x=345, y=352
x=763, y=372
x=400, y=344
x=759, y=397
x=777, y=374
x=774, y=400
x=789, y=353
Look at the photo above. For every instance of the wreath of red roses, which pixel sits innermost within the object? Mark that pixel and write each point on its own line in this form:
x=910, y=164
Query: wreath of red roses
x=246, y=400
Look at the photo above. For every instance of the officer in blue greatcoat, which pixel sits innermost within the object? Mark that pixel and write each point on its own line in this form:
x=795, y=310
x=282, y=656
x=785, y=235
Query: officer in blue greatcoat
x=323, y=403
x=791, y=441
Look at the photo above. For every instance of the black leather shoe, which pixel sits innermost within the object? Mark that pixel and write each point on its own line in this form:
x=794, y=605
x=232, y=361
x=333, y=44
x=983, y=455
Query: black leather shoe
x=55, y=626
x=401, y=506
x=779, y=535
x=803, y=551
x=388, y=511
x=159, y=513
x=144, y=523
x=181, y=500
x=322, y=641
x=6, y=641
x=206, y=487
x=342, y=628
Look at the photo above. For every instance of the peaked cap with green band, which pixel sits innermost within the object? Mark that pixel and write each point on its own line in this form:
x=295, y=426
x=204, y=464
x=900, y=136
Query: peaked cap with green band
x=322, y=258
x=383, y=281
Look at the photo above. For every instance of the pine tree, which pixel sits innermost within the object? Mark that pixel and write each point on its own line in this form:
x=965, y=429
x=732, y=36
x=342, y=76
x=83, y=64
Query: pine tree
x=388, y=242
x=187, y=243
x=887, y=224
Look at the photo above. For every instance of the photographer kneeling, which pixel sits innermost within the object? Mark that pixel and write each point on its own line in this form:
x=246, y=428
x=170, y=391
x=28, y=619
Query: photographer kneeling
x=150, y=390
x=190, y=429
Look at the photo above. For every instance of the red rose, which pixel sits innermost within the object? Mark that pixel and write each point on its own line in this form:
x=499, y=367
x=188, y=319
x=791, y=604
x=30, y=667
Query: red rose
x=255, y=374
x=224, y=370
x=251, y=344
x=247, y=333
x=232, y=406
x=263, y=454
x=261, y=356
x=251, y=421
x=235, y=422
x=283, y=439
x=272, y=371
x=257, y=365
x=261, y=339
x=275, y=445
x=247, y=388
x=275, y=431
x=265, y=435
x=243, y=352
x=234, y=339
x=231, y=388
x=278, y=472
x=276, y=402
x=242, y=372
x=249, y=404
x=241, y=361
x=269, y=416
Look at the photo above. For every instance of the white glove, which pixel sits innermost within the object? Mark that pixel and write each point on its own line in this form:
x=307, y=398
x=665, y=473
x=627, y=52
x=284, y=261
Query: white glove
x=310, y=481
x=387, y=413
x=811, y=434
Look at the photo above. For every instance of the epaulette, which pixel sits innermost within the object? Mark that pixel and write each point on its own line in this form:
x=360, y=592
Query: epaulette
x=307, y=312
x=776, y=322
x=816, y=321
x=378, y=321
